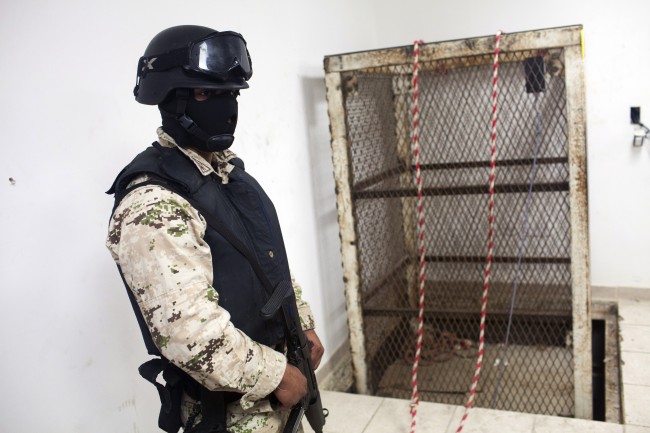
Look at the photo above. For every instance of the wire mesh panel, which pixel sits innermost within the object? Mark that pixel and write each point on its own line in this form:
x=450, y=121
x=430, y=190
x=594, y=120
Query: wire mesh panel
x=533, y=281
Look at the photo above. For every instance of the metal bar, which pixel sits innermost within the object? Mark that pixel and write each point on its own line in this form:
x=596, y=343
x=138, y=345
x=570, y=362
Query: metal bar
x=497, y=259
x=464, y=190
x=387, y=174
x=581, y=292
x=500, y=163
x=533, y=40
x=341, y=163
x=455, y=314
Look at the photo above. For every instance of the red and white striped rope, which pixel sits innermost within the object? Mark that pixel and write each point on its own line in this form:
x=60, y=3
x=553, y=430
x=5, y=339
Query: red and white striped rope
x=415, y=397
x=488, y=264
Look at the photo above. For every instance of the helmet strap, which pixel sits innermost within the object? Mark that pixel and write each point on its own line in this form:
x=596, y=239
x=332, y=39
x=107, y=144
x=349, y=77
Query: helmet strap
x=186, y=121
x=213, y=143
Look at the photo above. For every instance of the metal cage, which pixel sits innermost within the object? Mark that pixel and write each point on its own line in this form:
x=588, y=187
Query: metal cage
x=546, y=368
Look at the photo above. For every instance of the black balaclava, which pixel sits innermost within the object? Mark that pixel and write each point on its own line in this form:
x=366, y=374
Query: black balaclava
x=206, y=125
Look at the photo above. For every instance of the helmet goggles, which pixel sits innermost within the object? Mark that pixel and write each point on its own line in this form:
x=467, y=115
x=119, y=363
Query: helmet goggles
x=218, y=55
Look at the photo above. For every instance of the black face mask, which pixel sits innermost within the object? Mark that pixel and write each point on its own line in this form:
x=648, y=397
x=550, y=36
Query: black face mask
x=207, y=125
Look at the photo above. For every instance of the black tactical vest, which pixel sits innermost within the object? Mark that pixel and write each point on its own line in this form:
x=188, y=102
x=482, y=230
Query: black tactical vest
x=245, y=209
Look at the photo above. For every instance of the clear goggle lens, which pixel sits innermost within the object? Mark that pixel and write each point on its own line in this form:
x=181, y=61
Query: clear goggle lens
x=220, y=55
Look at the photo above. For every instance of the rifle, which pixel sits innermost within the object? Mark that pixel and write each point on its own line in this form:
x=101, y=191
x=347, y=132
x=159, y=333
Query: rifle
x=299, y=355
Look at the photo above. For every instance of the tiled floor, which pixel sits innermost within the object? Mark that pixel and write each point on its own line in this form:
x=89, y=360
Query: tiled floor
x=634, y=325
x=350, y=413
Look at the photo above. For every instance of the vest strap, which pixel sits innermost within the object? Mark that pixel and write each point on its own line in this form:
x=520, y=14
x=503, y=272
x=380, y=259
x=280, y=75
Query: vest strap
x=280, y=292
x=213, y=403
x=170, y=394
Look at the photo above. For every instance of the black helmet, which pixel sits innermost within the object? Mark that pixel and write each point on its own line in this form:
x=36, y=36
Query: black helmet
x=191, y=57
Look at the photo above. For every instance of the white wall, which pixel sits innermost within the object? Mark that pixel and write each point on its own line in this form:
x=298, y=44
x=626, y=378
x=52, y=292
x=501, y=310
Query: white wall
x=69, y=123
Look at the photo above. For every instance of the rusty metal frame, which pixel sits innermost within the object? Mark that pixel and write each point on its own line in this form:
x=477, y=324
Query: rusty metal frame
x=581, y=290
x=341, y=162
x=567, y=38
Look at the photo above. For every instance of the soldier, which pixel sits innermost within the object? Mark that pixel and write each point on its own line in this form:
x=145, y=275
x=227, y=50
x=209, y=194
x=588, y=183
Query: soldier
x=196, y=296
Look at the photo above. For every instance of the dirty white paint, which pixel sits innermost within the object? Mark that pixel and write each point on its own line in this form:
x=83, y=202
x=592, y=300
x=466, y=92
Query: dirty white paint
x=341, y=164
x=580, y=289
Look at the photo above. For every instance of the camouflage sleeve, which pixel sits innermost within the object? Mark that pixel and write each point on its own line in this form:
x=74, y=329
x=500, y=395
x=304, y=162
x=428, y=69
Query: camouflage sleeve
x=304, y=311
x=157, y=239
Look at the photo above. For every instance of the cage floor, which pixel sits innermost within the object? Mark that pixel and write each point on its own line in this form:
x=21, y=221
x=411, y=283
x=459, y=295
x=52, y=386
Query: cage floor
x=526, y=384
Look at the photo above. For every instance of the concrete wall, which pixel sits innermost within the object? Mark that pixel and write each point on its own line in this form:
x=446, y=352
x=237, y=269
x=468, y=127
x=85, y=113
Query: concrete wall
x=69, y=123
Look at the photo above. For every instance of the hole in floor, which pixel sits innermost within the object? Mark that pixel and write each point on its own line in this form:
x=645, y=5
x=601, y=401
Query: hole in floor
x=537, y=375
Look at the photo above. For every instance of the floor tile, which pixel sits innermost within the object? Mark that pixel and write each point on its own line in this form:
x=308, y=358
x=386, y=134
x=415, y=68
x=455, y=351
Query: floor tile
x=635, y=338
x=636, y=429
x=492, y=421
x=636, y=400
x=634, y=312
x=394, y=416
x=634, y=293
x=353, y=413
x=634, y=368
x=604, y=293
x=550, y=424
x=348, y=413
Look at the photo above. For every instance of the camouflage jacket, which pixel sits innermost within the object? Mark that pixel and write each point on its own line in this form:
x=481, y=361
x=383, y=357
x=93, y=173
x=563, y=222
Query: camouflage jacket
x=168, y=267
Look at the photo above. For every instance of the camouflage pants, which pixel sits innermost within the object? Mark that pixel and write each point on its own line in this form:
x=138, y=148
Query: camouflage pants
x=260, y=418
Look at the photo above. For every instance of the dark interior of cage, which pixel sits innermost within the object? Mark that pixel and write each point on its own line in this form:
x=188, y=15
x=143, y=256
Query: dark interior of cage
x=530, y=277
